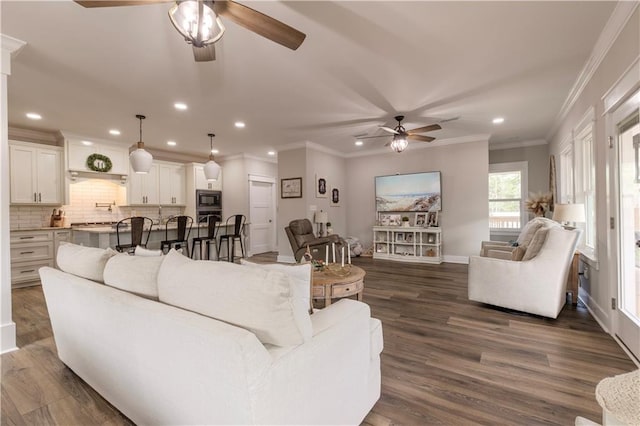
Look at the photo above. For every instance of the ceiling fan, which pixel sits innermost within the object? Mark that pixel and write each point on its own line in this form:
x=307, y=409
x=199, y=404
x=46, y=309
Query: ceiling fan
x=401, y=136
x=199, y=22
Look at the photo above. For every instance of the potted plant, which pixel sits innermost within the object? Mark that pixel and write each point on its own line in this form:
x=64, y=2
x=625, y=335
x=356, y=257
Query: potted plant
x=405, y=221
x=329, y=228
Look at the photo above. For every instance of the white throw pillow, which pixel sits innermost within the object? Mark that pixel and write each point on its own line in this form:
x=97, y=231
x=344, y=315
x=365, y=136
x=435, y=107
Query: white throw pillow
x=135, y=274
x=141, y=251
x=85, y=262
x=261, y=301
x=299, y=273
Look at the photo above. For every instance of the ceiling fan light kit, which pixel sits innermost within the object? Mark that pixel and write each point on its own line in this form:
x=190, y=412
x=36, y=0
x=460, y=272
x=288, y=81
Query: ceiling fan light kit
x=197, y=22
x=211, y=168
x=399, y=143
x=140, y=159
x=401, y=136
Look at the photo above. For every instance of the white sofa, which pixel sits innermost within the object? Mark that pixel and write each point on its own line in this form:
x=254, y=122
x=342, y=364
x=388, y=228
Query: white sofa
x=162, y=364
x=536, y=284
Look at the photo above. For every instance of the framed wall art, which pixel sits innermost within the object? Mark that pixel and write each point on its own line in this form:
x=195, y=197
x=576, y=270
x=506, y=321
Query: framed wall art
x=335, y=197
x=321, y=187
x=291, y=188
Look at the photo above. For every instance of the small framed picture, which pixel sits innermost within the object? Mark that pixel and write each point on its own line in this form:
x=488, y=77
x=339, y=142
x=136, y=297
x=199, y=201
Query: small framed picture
x=399, y=237
x=335, y=197
x=321, y=187
x=432, y=219
x=421, y=219
x=384, y=219
x=431, y=238
x=395, y=219
x=291, y=188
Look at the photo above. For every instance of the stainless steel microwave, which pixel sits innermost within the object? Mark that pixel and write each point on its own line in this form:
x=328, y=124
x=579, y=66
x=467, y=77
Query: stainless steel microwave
x=206, y=199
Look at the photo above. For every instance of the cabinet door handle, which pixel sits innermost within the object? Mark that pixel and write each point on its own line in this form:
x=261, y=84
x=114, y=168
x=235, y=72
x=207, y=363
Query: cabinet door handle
x=26, y=252
x=39, y=197
x=27, y=238
x=35, y=199
x=28, y=272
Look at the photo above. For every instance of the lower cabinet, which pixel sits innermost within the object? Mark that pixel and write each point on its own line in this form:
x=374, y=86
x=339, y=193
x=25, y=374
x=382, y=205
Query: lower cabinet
x=30, y=251
x=407, y=244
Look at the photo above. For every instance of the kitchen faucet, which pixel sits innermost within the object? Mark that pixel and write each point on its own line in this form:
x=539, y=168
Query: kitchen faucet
x=159, y=215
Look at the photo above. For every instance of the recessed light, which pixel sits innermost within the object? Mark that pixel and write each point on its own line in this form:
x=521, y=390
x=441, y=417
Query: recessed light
x=271, y=153
x=171, y=143
x=359, y=143
x=498, y=120
x=239, y=124
x=34, y=116
x=87, y=143
x=114, y=132
x=180, y=105
x=214, y=151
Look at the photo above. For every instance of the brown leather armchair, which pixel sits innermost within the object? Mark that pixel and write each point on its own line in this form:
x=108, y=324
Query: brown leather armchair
x=300, y=233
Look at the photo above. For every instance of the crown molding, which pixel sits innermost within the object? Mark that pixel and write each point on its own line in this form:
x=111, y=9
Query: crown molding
x=10, y=48
x=36, y=136
x=70, y=135
x=248, y=157
x=618, y=19
x=518, y=144
x=311, y=145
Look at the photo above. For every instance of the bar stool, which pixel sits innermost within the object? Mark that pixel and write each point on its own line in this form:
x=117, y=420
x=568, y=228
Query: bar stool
x=210, y=237
x=136, y=225
x=183, y=229
x=238, y=222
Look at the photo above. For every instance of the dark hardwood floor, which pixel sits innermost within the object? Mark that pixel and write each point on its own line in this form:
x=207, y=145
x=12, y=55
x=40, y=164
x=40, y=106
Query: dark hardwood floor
x=446, y=360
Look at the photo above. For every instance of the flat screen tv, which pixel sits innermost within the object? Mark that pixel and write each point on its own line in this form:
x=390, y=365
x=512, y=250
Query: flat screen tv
x=414, y=192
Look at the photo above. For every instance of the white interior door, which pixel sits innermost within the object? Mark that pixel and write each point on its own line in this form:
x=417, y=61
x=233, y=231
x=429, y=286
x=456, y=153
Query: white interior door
x=262, y=214
x=627, y=193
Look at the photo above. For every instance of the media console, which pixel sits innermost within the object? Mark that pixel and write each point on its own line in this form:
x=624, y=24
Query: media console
x=407, y=244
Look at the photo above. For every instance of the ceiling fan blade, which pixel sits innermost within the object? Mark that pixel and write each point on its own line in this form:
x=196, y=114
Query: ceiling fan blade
x=204, y=54
x=389, y=129
x=114, y=3
x=371, y=137
x=260, y=23
x=425, y=129
x=421, y=138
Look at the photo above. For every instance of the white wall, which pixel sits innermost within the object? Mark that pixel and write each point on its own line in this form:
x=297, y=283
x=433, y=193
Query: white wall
x=291, y=164
x=536, y=156
x=332, y=168
x=465, y=211
x=622, y=53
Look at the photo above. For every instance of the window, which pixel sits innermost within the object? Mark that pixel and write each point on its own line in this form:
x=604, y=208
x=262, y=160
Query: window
x=585, y=182
x=507, y=191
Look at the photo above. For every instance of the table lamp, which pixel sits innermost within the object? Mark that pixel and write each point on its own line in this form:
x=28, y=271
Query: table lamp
x=568, y=213
x=321, y=219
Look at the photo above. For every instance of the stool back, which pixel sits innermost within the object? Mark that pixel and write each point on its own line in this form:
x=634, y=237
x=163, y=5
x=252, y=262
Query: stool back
x=137, y=225
x=184, y=224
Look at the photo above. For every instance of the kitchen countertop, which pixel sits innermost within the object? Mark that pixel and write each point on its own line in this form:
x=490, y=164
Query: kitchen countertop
x=40, y=228
x=112, y=230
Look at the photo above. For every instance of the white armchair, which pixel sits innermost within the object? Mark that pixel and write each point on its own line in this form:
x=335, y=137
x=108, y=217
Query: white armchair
x=537, y=284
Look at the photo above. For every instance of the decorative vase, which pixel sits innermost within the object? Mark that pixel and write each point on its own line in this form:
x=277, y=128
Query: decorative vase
x=405, y=224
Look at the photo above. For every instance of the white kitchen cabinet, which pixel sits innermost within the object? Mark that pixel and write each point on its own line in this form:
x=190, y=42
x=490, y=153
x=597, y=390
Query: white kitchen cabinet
x=78, y=151
x=143, y=187
x=36, y=173
x=171, y=184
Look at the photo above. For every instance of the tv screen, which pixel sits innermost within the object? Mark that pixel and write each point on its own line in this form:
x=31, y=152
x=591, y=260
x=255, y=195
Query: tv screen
x=415, y=192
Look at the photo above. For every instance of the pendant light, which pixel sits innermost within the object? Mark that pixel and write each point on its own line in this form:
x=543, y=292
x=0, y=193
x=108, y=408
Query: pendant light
x=140, y=159
x=211, y=168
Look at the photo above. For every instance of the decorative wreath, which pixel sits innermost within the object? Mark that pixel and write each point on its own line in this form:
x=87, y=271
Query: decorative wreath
x=99, y=163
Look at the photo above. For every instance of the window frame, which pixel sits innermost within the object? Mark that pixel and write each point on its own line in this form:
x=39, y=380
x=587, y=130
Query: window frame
x=516, y=166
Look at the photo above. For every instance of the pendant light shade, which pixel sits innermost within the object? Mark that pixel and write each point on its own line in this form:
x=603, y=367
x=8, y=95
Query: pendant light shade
x=211, y=168
x=140, y=159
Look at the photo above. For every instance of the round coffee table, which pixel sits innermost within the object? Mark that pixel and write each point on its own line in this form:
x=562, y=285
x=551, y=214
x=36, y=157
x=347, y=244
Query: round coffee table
x=328, y=286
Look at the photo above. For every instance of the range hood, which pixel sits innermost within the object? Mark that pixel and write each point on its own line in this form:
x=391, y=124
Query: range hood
x=96, y=159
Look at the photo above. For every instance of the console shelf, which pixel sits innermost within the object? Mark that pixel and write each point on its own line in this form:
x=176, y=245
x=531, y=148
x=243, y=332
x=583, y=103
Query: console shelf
x=407, y=244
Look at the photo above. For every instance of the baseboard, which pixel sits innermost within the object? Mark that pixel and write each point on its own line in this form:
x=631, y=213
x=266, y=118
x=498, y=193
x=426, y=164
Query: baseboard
x=447, y=258
x=285, y=259
x=596, y=312
x=8, y=336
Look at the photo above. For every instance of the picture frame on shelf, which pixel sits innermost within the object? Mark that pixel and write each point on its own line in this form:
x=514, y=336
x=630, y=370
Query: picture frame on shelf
x=399, y=237
x=420, y=219
x=291, y=187
x=384, y=219
x=431, y=238
x=432, y=219
x=321, y=187
x=395, y=219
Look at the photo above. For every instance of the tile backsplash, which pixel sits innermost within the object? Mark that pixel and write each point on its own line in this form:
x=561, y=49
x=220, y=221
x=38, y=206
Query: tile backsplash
x=83, y=196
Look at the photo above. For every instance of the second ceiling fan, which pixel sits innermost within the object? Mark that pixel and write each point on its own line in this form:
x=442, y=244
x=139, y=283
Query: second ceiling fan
x=199, y=22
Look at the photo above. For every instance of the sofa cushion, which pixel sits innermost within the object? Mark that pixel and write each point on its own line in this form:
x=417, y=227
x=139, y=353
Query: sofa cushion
x=261, y=301
x=518, y=253
x=141, y=251
x=536, y=244
x=527, y=233
x=299, y=273
x=85, y=262
x=135, y=274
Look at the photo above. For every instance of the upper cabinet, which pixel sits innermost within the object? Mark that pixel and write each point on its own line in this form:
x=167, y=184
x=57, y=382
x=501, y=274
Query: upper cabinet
x=36, y=173
x=79, y=151
x=163, y=185
x=201, y=181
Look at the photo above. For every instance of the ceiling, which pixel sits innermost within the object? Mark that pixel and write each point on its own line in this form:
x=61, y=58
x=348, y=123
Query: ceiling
x=90, y=70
